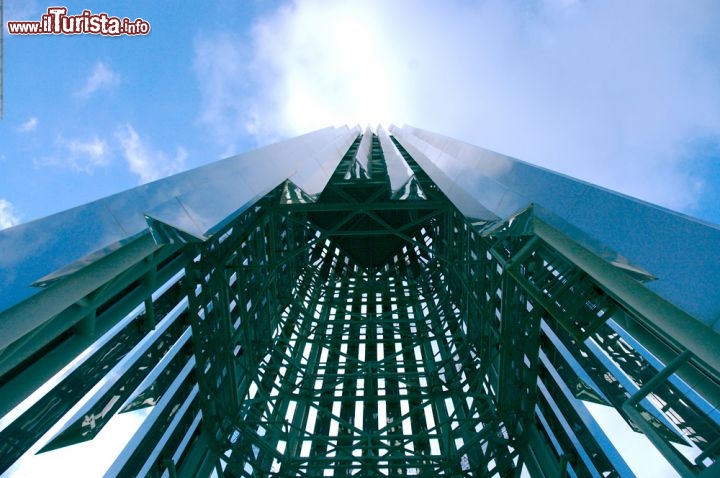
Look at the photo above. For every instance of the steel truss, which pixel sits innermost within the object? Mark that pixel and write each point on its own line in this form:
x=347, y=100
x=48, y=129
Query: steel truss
x=374, y=332
x=466, y=354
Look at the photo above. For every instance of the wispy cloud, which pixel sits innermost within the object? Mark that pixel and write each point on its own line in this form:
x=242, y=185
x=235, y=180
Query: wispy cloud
x=101, y=77
x=8, y=215
x=29, y=125
x=220, y=64
x=92, y=153
x=148, y=163
x=611, y=92
x=81, y=155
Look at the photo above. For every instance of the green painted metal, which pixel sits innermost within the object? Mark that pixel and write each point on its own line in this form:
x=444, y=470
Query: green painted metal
x=357, y=340
x=364, y=332
x=439, y=331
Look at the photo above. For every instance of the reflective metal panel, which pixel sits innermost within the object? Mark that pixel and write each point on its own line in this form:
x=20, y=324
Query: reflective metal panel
x=363, y=152
x=680, y=251
x=398, y=170
x=350, y=332
x=194, y=201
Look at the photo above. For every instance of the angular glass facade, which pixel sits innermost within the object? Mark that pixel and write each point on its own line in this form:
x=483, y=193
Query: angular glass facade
x=364, y=303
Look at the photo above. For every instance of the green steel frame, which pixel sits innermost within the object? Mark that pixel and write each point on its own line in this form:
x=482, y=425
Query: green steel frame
x=360, y=333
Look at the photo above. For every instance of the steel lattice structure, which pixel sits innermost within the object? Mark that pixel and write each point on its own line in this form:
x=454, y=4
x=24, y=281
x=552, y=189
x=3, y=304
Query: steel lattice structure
x=365, y=303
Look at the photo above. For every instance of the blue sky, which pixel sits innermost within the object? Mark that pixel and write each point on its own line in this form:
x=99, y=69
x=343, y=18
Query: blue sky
x=87, y=115
x=621, y=94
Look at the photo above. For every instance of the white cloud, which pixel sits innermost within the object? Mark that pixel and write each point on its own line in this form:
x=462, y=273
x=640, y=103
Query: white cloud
x=85, y=155
x=93, y=151
x=101, y=77
x=220, y=63
x=81, y=155
x=8, y=215
x=613, y=92
x=29, y=126
x=147, y=163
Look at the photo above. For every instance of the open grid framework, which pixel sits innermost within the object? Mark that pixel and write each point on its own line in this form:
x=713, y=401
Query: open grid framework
x=277, y=348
